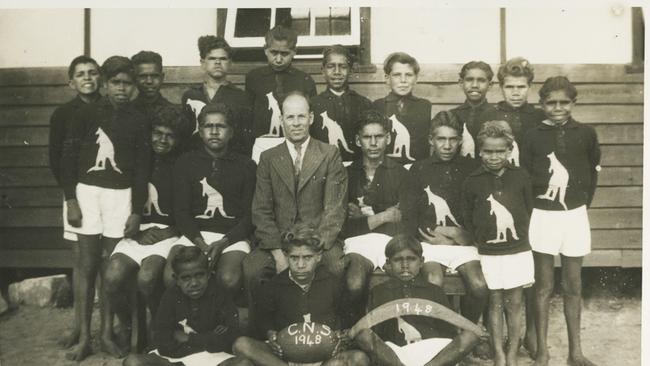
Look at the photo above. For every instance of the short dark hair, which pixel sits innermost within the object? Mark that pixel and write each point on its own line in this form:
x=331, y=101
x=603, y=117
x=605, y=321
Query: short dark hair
x=209, y=43
x=173, y=117
x=215, y=109
x=301, y=235
x=291, y=94
x=476, y=65
x=372, y=116
x=338, y=49
x=495, y=129
x=281, y=33
x=555, y=83
x=445, y=118
x=147, y=57
x=401, y=242
x=517, y=67
x=115, y=65
x=402, y=58
x=189, y=255
x=81, y=60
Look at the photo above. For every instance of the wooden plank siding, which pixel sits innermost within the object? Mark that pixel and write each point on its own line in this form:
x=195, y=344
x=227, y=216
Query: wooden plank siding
x=609, y=98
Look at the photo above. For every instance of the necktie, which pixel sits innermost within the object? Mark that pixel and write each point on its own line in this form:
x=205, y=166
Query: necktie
x=297, y=162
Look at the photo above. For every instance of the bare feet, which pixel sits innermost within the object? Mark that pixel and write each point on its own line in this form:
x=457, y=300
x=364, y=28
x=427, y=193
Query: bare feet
x=80, y=351
x=69, y=339
x=107, y=345
x=541, y=359
x=530, y=345
x=579, y=360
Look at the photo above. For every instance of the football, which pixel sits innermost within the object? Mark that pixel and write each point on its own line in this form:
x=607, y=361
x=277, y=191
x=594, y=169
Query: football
x=307, y=342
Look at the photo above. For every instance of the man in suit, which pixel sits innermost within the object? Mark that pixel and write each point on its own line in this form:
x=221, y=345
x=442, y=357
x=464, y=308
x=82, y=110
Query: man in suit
x=301, y=180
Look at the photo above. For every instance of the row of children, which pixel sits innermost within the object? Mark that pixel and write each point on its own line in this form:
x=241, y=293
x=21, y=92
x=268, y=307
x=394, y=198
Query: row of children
x=113, y=157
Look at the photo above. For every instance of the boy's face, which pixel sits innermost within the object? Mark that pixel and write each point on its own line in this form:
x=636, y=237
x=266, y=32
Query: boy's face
x=402, y=79
x=515, y=90
x=85, y=78
x=119, y=88
x=404, y=265
x=296, y=119
x=445, y=142
x=557, y=106
x=149, y=78
x=495, y=153
x=163, y=140
x=192, y=278
x=216, y=63
x=336, y=71
x=302, y=263
x=215, y=132
x=279, y=55
x=475, y=85
x=373, y=140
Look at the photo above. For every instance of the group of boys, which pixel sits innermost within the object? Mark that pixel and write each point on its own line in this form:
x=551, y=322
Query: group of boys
x=160, y=196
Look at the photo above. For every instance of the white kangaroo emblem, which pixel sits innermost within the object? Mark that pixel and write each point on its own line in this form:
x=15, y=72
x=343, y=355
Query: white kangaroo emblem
x=105, y=151
x=505, y=221
x=467, y=148
x=215, y=202
x=366, y=210
x=334, y=132
x=514, y=155
x=152, y=200
x=441, y=207
x=186, y=328
x=196, y=106
x=558, y=181
x=275, y=127
x=411, y=334
x=402, y=139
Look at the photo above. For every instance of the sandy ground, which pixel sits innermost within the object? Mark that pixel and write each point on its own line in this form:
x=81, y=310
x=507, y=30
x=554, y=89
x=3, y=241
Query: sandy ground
x=611, y=334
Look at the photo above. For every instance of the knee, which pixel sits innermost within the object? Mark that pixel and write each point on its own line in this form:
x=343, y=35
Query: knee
x=229, y=279
x=148, y=281
x=356, y=282
x=543, y=290
x=240, y=361
x=242, y=346
x=478, y=289
x=433, y=273
x=113, y=278
x=133, y=360
x=364, y=339
x=358, y=358
x=571, y=289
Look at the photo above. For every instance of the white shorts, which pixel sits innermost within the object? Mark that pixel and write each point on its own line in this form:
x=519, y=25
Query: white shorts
x=504, y=272
x=370, y=246
x=67, y=233
x=209, y=237
x=104, y=211
x=198, y=359
x=560, y=232
x=138, y=253
x=450, y=256
x=262, y=144
x=421, y=352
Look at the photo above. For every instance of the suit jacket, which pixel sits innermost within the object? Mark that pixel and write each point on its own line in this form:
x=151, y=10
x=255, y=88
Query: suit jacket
x=318, y=200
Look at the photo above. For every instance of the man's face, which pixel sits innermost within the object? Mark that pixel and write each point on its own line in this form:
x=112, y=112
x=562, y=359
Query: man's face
x=296, y=119
x=215, y=132
x=302, y=263
x=279, y=55
x=216, y=63
x=85, y=78
x=445, y=142
x=192, y=278
x=475, y=85
x=373, y=140
x=402, y=79
x=515, y=90
x=149, y=78
x=495, y=153
x=336, y=71
x=119, y=88
x=163, y=140
x=558, y=106
x=404, y=265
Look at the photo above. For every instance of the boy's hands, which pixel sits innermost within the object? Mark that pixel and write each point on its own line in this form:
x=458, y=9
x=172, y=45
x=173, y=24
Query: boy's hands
x=132, y=226
x=354, y=211
x=74, y=212
x=281, y=262
x=392, y=214
x=215, y=249
x=272, y=341
x=154, y=235
x=344, y=342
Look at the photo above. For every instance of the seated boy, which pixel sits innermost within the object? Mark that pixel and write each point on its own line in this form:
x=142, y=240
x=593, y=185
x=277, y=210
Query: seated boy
x=411, y=340
x=216, y=61
x=497, y=201
x=338, y=108
x=105, y=168
x=196, y=324
x=144, y=256
x=434, y=213
x=305, y=291
x=213, y=192
x=83, y=73
x=409, y=115
x=475, y=81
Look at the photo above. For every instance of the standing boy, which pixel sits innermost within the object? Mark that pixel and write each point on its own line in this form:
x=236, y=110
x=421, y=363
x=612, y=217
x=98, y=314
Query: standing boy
x=338, y=109
x=84, y=78
x=497, y=201
x=105, y=168
x=149, y=78
x=563, y=157
x=409, y=115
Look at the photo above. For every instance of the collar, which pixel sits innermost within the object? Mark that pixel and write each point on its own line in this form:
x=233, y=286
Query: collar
x=505, y=107
x=140, y=100
x=284, y=278
x=303, y=146
x=570, y=123
x=483, y=170
x=204, y=87
x=267, y=70
x=387, y=163
x=392, y=97
x=418, y=281
x=434, y=159
x=77, y=101
x=203, y=154
x=467, y=105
